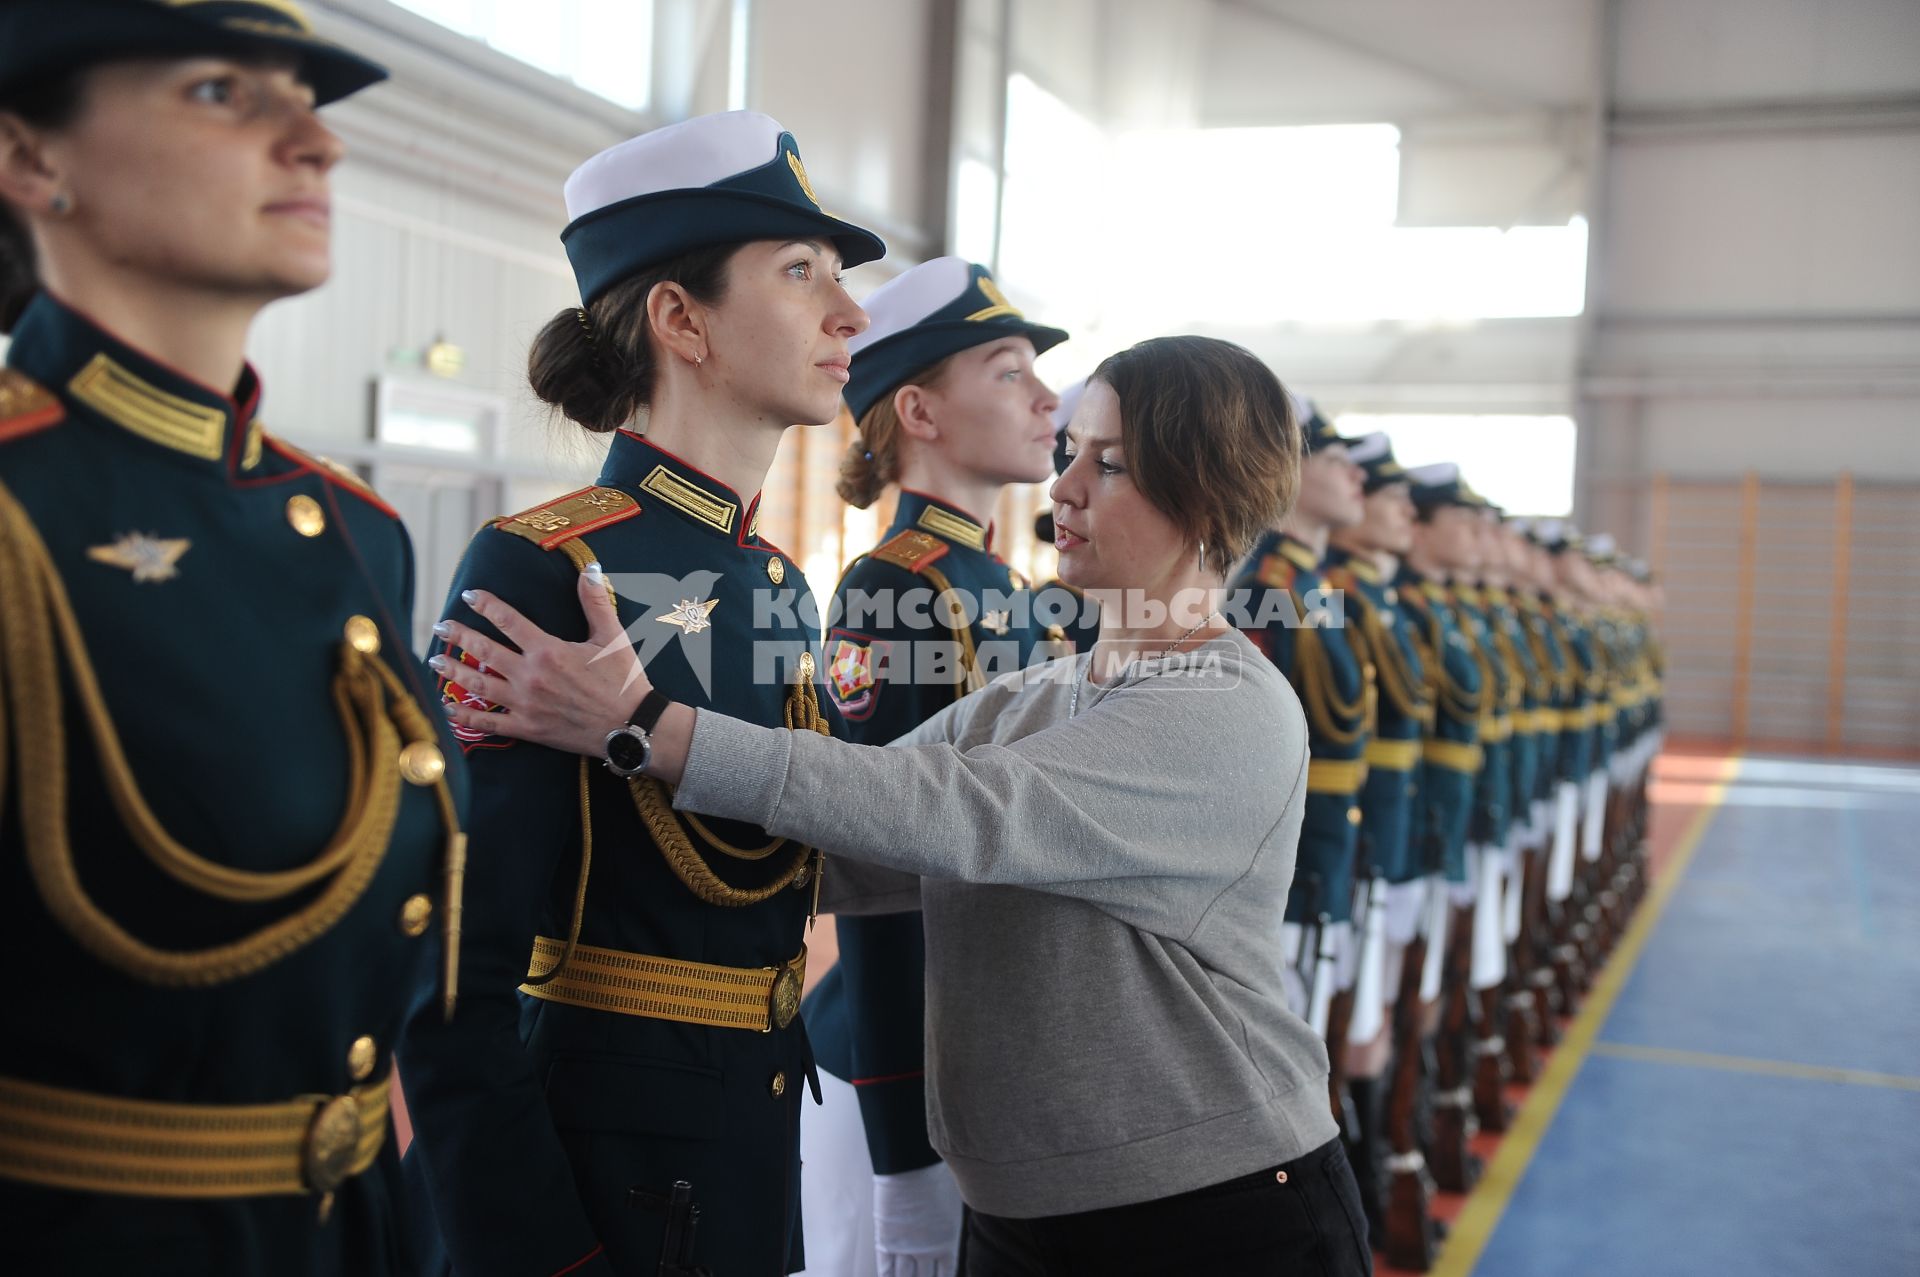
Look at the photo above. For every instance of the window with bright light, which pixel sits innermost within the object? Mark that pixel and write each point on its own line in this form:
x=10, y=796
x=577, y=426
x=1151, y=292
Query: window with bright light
x=1149, y=231
x=604, y=46
x=1522, y=464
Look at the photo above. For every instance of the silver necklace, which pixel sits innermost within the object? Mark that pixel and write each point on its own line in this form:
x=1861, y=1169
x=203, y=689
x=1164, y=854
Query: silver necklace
x=1073, y=706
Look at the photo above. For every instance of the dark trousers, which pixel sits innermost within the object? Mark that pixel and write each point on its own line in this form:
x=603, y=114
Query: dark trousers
x=1298, y=1218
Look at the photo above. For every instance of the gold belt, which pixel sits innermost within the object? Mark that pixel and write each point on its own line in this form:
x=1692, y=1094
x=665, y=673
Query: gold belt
x=1453, y=755
x=1342, y=776
x=758, y=998
x=1393, y=755
x=145, y=1148
x=1496, y=729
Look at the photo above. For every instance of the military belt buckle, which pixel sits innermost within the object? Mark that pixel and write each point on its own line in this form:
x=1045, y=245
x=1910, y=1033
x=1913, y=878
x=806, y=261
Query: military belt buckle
x=783, y=999
x=333, y=1138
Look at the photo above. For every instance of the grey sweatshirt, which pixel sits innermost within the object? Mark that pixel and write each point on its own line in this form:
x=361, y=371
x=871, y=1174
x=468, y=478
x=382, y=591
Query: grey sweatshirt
x=1103, y=897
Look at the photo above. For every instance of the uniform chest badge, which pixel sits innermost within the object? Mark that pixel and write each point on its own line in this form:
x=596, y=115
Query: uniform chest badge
x=996, y=622
x=148, y=557
x=850, y=679
x=689, y=616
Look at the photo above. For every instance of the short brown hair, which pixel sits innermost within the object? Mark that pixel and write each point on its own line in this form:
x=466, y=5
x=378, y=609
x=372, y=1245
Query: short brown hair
x=1210, y=438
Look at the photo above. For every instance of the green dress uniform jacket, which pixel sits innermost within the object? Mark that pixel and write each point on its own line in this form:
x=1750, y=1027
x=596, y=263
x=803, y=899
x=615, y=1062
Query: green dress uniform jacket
x=1404, y=714
x=1327, y=666
x=1580, y=736
x=229, y=825
x=1528, y=691
x=1451, y=753
x=1551, y=657
x=867, y=1017
x=556, y=1112
x=1493, y=790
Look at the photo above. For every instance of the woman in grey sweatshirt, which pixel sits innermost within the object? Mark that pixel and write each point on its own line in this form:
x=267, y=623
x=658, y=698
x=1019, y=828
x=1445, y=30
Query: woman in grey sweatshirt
x=1101, y=847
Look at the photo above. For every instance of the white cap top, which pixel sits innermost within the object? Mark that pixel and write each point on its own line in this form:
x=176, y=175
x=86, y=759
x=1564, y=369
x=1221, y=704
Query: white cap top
x=1367, y=447
x=693, y=153
x=909, y=298
x=1437, y=473
x=1069, y=400
x=1600, y=543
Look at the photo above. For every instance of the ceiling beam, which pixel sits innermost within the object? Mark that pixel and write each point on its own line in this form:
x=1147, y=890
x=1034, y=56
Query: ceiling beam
x=1472, y=89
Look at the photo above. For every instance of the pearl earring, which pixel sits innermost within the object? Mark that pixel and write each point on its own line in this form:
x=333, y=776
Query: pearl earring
x=61, y=204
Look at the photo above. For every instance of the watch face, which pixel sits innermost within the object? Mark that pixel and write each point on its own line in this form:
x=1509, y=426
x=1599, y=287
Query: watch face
x=628, y=751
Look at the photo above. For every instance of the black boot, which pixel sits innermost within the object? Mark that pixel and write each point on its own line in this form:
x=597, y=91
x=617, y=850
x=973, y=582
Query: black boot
x=1367, y=1150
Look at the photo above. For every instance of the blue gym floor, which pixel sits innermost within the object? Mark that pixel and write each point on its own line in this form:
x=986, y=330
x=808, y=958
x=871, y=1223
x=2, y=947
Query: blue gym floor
x=1752, y=1102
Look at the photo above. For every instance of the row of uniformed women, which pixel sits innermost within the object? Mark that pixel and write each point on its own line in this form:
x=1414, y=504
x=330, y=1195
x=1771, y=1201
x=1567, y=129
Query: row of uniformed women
x=238, y=887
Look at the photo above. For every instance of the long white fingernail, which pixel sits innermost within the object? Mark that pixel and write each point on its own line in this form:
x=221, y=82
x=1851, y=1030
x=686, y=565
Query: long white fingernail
x=593, y=570
x=470, y=597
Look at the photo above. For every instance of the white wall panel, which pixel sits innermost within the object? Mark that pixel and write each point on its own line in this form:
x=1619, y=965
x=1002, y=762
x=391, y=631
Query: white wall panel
x=1783, y=438
x=852, y=84
x=1802, y=224
x=1766, y=50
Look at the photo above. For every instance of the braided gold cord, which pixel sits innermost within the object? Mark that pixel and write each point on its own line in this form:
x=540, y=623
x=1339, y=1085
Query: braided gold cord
x=651, y=800
x=1390, y=667
x=38, y=622
x=1457, y=702
x=973, y=680
x=655, y=805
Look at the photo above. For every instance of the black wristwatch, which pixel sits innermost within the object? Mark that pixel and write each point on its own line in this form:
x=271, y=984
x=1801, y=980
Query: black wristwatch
x=629, y=747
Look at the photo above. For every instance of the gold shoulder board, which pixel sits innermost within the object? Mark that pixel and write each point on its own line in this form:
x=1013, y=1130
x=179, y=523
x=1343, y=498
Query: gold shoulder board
x=553, y=525
x=912, y=550
x=1276, y=572
x=26, y=405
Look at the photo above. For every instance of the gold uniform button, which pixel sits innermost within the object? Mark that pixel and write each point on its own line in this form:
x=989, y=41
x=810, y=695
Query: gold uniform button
x=806, y=667
x=778, y=1086
x=360, y=1058
x=363, y=634
x=415, y=915
x=1353, y=815
x=776, y=570
x=304, y=513
x=422, y=763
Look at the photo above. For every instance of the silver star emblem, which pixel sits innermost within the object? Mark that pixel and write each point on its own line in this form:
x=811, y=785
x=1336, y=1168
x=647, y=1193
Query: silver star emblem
x=690, y=616
x=148, y=557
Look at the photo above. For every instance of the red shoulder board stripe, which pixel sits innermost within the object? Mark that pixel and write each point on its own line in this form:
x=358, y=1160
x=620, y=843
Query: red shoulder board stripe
x=26, y=406
x=574, y=515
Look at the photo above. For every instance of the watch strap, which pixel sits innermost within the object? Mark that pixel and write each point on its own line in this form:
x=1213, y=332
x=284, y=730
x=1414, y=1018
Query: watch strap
x=652, y=706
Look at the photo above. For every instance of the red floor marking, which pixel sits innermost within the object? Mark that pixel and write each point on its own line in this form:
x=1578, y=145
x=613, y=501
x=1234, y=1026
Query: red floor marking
x=1681, y=781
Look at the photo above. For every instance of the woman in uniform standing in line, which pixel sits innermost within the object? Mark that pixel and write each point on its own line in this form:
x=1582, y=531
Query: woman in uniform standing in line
x=951, y=411
x=229, y=836
x=621, y=1090
x=1100, y=849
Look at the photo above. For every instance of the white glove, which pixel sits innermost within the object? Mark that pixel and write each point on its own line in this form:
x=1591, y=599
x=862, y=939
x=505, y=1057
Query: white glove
x=916, y=1223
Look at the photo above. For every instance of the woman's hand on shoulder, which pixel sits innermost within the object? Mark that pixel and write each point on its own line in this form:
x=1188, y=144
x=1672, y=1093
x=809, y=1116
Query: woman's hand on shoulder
x=567, y=696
